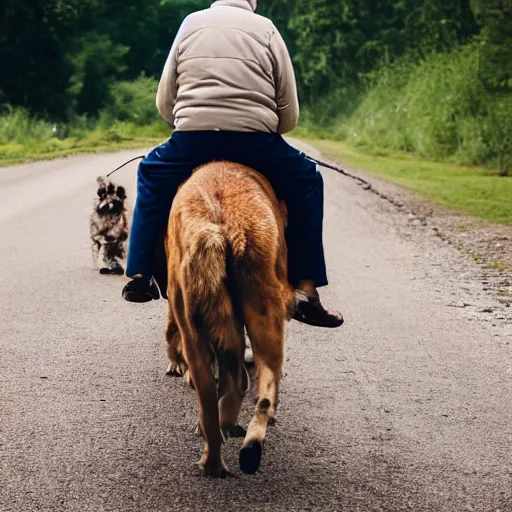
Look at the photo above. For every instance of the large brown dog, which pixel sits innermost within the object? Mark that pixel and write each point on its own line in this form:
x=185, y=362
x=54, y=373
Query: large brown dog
x=227, y=263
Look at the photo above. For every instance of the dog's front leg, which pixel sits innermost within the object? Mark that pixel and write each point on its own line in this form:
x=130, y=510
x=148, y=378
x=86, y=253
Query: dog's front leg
x=103, y=263
x=95, y=252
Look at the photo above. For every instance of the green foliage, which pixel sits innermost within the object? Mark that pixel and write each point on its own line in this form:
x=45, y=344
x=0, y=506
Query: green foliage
x=132, y=101
x=97, y=64
x=60, y=57
x=337, y=42
x=438, y=108
x=33, y=39
x=432, y=77
x=23, y=138
x=40, y=146
x=495, y=39
x=18, y=127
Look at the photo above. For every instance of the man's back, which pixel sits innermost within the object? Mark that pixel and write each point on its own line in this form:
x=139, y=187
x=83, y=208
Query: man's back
x=229, y=70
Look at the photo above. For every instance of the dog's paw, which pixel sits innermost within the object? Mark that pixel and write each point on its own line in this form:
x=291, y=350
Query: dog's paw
x=176, y=369
x=113, y=268
x=233, y=431
x=188, y=379
x=250, y=458
x=213, y=469
x=117, y=269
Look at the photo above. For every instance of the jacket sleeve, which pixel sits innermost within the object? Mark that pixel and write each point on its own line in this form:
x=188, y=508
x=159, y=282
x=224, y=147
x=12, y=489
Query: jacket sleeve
x=168, y=86
x=286, y=87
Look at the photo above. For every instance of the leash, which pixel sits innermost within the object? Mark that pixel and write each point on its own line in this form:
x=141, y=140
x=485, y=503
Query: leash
x=339, y=170
x=125, y=164
x=367, y=185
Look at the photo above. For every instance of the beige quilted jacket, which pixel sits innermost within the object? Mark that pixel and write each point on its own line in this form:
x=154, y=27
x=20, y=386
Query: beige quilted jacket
x=229, y=69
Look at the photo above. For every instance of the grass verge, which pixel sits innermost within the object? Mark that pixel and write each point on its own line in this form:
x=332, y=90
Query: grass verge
x=27, y=141
x=13, y=154
x=474, y=190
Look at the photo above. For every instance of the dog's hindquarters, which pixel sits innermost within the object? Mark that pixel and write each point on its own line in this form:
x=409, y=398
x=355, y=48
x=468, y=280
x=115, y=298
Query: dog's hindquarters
x=203, y=311
x=227, y=268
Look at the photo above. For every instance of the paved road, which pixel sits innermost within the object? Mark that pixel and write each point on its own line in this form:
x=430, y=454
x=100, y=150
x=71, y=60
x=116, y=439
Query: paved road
x=407, y=407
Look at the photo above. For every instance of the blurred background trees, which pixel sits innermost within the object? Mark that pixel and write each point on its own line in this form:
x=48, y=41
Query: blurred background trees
x=429, y=76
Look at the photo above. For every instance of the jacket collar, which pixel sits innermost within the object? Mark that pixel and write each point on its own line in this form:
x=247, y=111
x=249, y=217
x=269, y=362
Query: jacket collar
x=242, y=4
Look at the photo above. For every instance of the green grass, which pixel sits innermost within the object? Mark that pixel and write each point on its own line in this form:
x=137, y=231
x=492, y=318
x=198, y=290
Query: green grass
x=12, y=154
x=474, y=190
x=26, y=146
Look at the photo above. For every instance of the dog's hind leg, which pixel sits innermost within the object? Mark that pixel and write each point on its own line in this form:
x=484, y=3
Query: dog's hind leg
x=233, y=385
x=198, y=355
x=177, y=366
x=266, y=328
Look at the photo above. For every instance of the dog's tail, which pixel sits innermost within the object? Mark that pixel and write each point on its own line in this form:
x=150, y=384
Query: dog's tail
x=206, y=262
x=209, y=271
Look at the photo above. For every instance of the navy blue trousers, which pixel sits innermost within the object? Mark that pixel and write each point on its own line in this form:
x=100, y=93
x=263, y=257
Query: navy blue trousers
x=295, y=180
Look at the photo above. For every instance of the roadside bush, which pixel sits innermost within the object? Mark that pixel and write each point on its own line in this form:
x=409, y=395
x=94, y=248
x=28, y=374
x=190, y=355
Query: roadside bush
x=16, y=126
x=437, y=109
x=132, y=102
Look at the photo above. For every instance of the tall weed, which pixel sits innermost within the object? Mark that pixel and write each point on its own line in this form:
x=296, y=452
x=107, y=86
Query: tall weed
x=437, y=109
x=132, y=102
x=16, y=126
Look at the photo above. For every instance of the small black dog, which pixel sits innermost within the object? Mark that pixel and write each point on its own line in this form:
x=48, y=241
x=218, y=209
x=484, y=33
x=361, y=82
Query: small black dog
x=109, y=227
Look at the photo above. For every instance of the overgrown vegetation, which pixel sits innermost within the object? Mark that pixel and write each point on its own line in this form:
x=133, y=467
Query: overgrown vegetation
x=437, y=108
x=130, y=120
x=24, y=138
x=430, y=77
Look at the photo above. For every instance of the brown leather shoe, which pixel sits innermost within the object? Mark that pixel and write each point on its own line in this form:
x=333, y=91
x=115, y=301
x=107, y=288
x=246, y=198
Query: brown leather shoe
x=310, y=311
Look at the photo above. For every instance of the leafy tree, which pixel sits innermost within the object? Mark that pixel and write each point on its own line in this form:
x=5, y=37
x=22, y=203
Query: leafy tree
x=97, y=64
x=34, y=38
x=63, y=57
x=495, y=17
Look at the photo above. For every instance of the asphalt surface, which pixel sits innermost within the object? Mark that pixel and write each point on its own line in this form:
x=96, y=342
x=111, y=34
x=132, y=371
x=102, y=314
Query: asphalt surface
x=407, y=407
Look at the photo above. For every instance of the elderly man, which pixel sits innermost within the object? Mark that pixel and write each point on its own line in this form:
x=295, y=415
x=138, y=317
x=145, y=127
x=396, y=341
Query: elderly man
x=228, y=87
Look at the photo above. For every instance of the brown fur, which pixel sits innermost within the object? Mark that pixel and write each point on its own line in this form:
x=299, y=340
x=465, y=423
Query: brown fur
x=227, y=263
x=109, y=227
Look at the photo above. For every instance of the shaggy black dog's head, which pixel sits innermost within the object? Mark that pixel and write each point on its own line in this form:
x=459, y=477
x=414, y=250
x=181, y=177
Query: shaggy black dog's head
x=111, y=198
